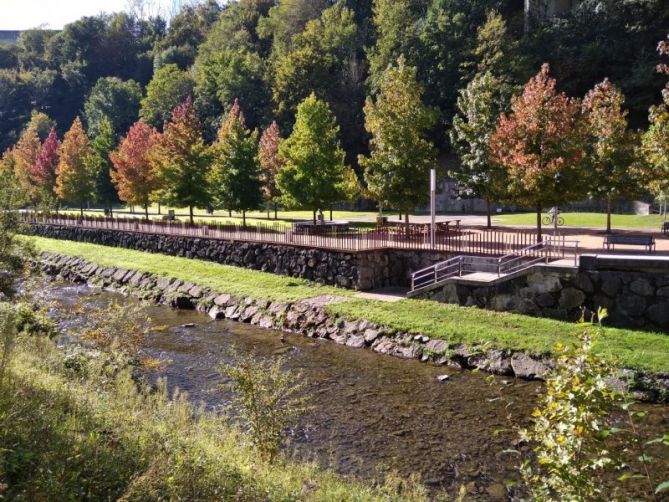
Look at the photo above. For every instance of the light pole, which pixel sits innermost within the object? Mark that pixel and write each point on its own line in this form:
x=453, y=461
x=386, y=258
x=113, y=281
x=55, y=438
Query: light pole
x=433, y=204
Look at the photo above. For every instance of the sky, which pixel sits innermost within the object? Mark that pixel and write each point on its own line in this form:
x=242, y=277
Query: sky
x=26, y=14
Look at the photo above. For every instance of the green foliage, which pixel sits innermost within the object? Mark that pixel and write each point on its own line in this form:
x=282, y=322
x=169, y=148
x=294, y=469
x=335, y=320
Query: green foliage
x=99, y=162
x=397, y=170
x=7, y=338
x=396, y=28
x=269, y=397
x=569, y=430
x=168, y=89
x=317, y=62
x=115, y=99
x=313, y=175
x=234, y=178
x=479, y=107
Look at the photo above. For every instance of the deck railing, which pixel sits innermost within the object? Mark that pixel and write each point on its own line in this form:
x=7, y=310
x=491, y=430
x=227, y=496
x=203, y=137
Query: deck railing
x=463, y=241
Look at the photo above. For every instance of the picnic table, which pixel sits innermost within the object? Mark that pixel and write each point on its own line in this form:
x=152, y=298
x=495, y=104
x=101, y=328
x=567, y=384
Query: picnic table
x=321, y=227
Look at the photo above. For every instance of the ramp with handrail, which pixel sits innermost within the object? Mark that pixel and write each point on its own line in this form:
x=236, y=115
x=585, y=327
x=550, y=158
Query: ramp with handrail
x=548, y=250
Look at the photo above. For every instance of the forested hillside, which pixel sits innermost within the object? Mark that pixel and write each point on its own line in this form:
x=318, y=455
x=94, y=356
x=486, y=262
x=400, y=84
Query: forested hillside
x=272, y=54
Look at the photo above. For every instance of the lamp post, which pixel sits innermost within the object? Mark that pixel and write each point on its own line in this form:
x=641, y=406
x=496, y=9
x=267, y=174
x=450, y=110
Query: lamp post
x=433, y=204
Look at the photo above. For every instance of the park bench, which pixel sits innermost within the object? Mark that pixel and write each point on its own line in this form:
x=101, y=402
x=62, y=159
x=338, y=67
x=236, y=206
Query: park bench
x=665, y=227
x=648, y=241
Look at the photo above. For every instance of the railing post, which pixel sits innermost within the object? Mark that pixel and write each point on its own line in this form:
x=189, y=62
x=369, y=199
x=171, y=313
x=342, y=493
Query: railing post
x=460, y=260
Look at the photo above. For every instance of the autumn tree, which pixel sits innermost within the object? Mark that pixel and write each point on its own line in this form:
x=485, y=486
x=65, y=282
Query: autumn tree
x=133, y=175
x=75, y=177
x=44, y=172
x=614, y=173
x=397, y=170
x=314, y=174
x=180, y=160
x=541, y=146
x=26, y=151
x=270, y=164
x=234, y=177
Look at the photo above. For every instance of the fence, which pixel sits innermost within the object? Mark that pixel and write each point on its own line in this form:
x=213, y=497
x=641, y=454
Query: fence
x=462, y=241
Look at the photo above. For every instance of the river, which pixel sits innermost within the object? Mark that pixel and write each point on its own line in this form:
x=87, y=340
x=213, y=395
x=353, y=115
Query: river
x=371, y=413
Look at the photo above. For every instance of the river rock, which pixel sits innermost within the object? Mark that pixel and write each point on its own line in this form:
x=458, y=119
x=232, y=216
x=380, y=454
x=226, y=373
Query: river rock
x=222, y=300
x=443, y=378
x=216, y=312
x=356, y=341
x=525, y=366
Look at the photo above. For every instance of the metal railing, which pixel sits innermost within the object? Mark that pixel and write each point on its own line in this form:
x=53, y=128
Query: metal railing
x=461, y=241
x=546, y=251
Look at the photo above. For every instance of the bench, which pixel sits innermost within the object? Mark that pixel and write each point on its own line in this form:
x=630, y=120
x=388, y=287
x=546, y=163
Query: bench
x=648, y=241
x=665, y=227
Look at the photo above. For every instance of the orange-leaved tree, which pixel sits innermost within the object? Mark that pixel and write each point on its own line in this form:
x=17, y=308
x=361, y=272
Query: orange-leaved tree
x=542, y=146
x=614, y=171
x=26, y=150
x=133, y=174
x=75, y=179
x=180, y=160
x=270, y=163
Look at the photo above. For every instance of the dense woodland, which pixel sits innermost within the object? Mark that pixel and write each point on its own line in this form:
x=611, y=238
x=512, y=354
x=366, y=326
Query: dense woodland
x=269, y=56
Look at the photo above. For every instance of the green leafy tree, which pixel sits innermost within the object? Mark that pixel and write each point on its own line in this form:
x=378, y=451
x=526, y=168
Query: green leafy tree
x=541, y=144
x=115, y=99
x=169, y=87
x=615, y=172
x=313, y=175
x=75, y=178
x=180, y=161
x=655, y=140
x=99, y=162
x=234, y=177
x=397, y=170
x=317, y=62
x=396, y=25
x=41, y=123
x=479, y=107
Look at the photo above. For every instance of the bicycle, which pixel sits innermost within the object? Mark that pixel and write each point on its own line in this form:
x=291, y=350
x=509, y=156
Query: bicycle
x=550, y=220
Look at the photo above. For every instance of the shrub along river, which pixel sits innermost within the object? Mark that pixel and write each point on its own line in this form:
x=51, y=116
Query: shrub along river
x=371, y=413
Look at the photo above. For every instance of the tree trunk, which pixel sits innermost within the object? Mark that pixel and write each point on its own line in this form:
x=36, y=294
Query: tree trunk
x=406, y=223
x=244, y=218
x=487, y=209
x=192, y=220
x=276, y=211
x=81, y=206
x=330, y=214
x=268, y=212
x=230, y=213
x=314, y=217
x=539, y=237
x=608, y=215
x=146, y=211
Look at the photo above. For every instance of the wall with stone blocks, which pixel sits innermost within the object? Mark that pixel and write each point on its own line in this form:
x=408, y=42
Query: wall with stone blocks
x=637, y=298
x=360, y=270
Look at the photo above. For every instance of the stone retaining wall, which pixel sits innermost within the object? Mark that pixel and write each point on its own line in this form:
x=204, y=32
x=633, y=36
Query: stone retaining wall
x=311, y=318
x=360, y=270
x=634, y=298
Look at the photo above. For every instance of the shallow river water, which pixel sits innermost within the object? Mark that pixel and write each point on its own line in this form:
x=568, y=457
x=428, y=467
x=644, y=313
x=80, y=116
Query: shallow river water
x=371, y=413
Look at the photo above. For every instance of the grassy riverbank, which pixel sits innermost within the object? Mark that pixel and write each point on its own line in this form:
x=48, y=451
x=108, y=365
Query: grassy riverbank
x=71, y=430
x=234, y=281
x=633, y=349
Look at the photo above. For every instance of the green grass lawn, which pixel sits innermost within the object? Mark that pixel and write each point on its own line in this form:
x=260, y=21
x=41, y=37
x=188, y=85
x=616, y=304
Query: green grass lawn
x=239, y=282
x=633, y=349
x=588, y=220
x=473, y=326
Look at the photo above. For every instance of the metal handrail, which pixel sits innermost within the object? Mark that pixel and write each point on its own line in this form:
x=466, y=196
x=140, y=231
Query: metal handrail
x=433, y=272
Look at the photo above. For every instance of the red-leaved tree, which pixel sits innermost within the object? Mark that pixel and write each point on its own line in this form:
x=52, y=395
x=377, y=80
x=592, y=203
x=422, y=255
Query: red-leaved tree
x=270, y=163
x=541, y=146
x=133, y=175
x=44, y=170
